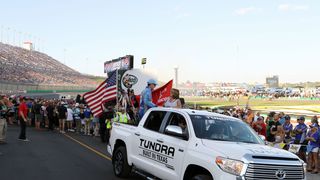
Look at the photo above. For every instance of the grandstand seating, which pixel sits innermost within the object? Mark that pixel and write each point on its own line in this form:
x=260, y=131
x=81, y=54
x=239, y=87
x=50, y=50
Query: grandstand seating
x=19, y=65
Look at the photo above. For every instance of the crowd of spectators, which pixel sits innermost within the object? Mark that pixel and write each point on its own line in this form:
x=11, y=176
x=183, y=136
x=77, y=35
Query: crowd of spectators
x=234, y=95
x=282, y=132
x=19, y=65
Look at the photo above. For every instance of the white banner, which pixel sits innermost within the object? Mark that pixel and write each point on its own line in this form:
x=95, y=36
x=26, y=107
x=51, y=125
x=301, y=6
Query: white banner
x=135, y=79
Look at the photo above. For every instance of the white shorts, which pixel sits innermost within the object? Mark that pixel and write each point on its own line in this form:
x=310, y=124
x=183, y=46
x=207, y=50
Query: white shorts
x=315, y=150
x=68, y=120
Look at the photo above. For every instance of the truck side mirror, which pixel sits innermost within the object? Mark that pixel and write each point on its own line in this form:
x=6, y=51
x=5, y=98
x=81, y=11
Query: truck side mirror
x=175, y=131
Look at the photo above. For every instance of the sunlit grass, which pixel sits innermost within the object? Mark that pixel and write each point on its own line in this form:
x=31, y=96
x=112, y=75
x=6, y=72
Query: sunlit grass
x=292, y=104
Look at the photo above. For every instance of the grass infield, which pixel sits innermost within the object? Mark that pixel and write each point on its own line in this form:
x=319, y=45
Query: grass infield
x=257, y=104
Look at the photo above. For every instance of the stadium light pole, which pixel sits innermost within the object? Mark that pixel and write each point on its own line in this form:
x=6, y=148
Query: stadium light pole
x=19, y=43
x=8, y=35
x=176, y=75
x=38, y=44
x=14, y=37
x=64, y=56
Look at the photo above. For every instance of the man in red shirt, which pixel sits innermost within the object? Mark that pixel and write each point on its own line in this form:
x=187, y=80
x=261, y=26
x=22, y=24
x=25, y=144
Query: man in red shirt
x=260, y=127
x=23, y=114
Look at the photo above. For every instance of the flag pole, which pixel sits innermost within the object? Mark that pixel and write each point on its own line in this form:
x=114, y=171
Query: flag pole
x=117, y=88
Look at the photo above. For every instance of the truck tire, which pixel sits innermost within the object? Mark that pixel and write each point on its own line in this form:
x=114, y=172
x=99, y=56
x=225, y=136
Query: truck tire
x=201, y=177
x=121, y=167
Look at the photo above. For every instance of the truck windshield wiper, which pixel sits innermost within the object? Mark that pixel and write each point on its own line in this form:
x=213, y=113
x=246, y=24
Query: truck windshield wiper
x=217, y=139
x=250, y=142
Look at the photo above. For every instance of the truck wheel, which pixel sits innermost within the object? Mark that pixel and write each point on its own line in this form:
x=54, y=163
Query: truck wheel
x=121, y=167
x=201, y=177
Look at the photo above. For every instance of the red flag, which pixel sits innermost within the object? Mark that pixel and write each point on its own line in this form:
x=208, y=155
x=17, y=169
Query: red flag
x=160, y=95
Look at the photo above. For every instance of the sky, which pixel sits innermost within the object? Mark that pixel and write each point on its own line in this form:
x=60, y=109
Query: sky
x=208, y=40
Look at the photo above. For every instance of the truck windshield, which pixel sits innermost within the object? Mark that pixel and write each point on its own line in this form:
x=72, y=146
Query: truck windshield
x=223, y=129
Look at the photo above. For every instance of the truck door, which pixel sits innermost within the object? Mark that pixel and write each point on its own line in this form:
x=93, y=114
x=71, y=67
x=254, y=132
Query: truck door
x=148, y=143
x=177, y=145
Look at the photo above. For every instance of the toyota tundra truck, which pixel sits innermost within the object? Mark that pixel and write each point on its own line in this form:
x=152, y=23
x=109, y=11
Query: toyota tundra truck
x=198, y=145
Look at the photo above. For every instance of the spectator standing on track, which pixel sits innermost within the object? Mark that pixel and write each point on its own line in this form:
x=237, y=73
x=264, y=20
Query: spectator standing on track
x=102, y=124
x=30, y=113
x=69, y=118
x=76, y=117
x=270, y=118
x=55, y=115
x=50, y=111
x=272, y=126
x=62, y=111
x=95, y=122
x=44, y=115
x=109, y=116
x=23, y=115
x=10, y=107
x=37, y=113
x=82, y=117
x=87, y=119
x=313, y=148
x=287, y=127
x=300, y=131
x=3, y=123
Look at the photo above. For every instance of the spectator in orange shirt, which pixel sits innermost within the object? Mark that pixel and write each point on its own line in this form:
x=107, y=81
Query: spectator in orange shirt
x=250, y=116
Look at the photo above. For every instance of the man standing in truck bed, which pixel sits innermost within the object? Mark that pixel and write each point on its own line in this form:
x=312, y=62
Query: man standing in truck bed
x=146, y=98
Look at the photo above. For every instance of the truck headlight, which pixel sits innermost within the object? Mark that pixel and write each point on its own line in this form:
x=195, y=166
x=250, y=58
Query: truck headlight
x=304, y=169
x=229, y=165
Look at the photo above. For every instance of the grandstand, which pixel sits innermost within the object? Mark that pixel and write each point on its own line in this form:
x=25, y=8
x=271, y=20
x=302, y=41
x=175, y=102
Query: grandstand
x=18, y=65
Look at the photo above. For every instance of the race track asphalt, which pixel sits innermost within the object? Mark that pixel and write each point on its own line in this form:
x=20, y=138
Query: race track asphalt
x=54, y=156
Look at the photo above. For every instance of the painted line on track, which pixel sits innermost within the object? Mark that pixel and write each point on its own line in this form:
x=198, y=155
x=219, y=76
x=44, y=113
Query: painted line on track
x=88, y=147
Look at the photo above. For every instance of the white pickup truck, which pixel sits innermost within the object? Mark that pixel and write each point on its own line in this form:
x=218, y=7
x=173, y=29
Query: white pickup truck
x=198, y=145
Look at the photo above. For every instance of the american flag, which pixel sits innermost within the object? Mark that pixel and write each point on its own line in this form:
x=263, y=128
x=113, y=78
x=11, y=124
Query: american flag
x=105, y=92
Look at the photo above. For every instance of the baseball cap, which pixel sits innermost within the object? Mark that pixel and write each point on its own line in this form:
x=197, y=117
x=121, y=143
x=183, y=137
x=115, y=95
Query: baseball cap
x=301, y=118
x=152, y=81
x=287, y=117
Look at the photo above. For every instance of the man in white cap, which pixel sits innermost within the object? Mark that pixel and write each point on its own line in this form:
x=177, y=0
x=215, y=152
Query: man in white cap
x=146, y=97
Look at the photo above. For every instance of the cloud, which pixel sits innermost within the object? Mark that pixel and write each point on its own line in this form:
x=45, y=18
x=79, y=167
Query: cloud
x=292, y=7
x=244, y=11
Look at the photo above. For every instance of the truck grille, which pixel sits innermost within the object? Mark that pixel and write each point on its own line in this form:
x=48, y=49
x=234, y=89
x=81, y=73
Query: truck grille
x=268, y=171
